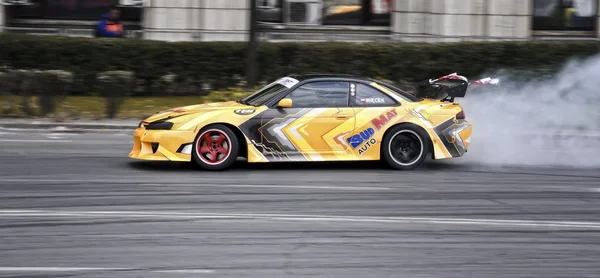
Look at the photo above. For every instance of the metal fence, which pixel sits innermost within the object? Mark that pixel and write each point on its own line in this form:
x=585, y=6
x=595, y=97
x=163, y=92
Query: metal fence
x=288, y=35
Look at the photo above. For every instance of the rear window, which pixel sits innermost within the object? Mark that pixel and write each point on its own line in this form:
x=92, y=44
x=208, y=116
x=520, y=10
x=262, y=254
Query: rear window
x=398, y=91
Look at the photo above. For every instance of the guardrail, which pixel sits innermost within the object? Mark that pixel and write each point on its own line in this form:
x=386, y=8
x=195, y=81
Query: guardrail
x=67, y=32
x=291, y=35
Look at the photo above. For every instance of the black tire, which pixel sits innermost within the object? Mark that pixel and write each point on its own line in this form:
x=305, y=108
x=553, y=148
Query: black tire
x=222, y=148
x=405, y=147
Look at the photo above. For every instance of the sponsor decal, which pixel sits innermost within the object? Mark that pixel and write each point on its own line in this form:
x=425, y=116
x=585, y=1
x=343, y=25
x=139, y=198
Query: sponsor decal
x=177, y=110
x=358, y=139
x=363, y=139
x=287, y=81
x=340, y=139
x=383, y=119
x=374, y=100
x=367, y=145
x=244, y=111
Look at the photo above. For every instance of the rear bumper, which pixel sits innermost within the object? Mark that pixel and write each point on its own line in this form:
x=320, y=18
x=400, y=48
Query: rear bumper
x=462, y=137
x=162, y=145
x=454, y=138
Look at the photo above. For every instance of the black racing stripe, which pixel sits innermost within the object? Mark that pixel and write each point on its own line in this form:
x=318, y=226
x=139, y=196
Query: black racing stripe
x=279, y=118
x=439, y=130
x=257, y=130
x=285, y=112
x=250, y=128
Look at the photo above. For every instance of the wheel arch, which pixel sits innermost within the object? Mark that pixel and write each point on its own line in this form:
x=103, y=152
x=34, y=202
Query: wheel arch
x=413, y=126
x=238, y=134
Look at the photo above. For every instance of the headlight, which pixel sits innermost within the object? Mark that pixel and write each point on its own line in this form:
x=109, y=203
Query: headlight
x=159, y=125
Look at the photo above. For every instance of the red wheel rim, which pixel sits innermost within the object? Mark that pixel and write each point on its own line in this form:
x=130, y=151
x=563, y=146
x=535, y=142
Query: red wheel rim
x=213, y=146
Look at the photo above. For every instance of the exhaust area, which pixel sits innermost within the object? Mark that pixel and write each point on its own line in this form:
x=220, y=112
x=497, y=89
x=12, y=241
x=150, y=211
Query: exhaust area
x=554, y=121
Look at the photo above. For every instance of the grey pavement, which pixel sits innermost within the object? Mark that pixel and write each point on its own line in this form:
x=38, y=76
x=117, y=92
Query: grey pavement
x=74, y=205
x=19, y=123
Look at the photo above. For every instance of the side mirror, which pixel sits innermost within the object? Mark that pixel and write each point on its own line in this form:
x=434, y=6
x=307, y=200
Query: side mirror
x=285, y=103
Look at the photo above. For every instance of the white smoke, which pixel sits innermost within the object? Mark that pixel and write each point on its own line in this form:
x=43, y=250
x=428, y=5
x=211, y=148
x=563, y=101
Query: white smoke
x=549, y=122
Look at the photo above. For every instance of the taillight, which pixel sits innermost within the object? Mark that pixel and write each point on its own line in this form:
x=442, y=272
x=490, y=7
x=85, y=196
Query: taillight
x=460, y=115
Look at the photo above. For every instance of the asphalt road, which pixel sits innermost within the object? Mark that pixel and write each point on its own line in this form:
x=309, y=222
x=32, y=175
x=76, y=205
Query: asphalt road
x=74, y=205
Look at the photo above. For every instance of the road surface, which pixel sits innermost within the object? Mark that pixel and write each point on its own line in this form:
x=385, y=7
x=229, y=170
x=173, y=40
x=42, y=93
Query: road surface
x=74, y=205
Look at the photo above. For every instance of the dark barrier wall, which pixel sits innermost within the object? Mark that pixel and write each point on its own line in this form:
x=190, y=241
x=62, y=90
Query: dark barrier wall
x=335, y=12
x=70, y=10
x=565, y=15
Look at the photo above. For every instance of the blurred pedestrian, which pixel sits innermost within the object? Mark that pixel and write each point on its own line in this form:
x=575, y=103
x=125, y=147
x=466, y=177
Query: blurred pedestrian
x=110, y=26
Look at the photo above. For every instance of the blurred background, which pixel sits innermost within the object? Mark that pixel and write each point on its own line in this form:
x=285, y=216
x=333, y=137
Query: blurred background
x=177, y=52
x=314, y=20
x=523, y=201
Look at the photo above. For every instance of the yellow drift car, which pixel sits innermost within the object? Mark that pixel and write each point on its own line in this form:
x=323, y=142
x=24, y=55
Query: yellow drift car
x=315, y=117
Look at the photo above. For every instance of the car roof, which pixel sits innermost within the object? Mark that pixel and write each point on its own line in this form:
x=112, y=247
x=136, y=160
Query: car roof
x=303, y=77
x=349, y=77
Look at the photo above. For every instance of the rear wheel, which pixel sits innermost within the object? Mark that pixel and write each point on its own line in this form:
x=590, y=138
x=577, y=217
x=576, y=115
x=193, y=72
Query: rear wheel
x=405, y=147
x=216, y=148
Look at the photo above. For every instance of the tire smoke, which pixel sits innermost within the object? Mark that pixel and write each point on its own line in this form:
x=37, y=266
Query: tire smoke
x=554, y=121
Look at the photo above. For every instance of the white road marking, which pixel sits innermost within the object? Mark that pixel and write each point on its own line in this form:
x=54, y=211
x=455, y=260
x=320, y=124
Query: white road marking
x=327, y=187
x=35, y=141
x=357, y=188
x=57, y=269
x=204, y=271
x=64, y=134
x=577, y=133
x=289, y=186
x=79, y=269
x=296, y=217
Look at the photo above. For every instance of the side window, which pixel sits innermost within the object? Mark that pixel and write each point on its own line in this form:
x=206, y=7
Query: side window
x=369, y=96
x=321, y=94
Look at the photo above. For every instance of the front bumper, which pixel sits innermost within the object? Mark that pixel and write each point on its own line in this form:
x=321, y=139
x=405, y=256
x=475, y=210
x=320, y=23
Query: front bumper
x=162, y=145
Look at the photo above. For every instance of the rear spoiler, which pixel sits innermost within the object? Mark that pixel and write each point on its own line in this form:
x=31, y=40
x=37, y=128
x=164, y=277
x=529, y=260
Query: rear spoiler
x=449, y=86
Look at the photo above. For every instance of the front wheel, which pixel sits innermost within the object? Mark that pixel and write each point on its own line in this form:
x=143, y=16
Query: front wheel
x=405, y=147
x=216, y=148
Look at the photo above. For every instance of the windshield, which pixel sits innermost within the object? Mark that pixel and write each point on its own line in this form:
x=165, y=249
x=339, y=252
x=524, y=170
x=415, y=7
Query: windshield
x=264, y=95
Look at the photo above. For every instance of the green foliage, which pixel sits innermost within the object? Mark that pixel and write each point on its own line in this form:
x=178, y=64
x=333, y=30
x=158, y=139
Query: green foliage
x=220, y=64
x=51, y=86
x=114, y=87
x=21, y=83
x=161, y=68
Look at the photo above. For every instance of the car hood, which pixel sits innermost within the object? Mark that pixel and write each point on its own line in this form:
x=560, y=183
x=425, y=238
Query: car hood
x=198, y=108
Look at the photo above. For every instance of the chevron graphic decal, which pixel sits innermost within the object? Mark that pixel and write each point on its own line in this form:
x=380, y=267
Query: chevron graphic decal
x=449, y=135
x=452, y=135
x=275, y=131
x=340, y=139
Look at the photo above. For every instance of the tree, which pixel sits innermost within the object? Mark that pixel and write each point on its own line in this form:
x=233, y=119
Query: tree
x=251, y=49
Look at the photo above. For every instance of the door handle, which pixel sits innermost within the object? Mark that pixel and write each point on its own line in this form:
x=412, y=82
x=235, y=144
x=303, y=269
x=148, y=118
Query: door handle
x=341, y=116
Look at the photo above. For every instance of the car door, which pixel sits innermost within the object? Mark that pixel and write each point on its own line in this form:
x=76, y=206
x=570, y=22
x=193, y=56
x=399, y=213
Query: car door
x=374, y=111
x=315, y=126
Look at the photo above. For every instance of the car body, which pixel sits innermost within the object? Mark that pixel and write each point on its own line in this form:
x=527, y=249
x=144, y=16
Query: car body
x=314, y=117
